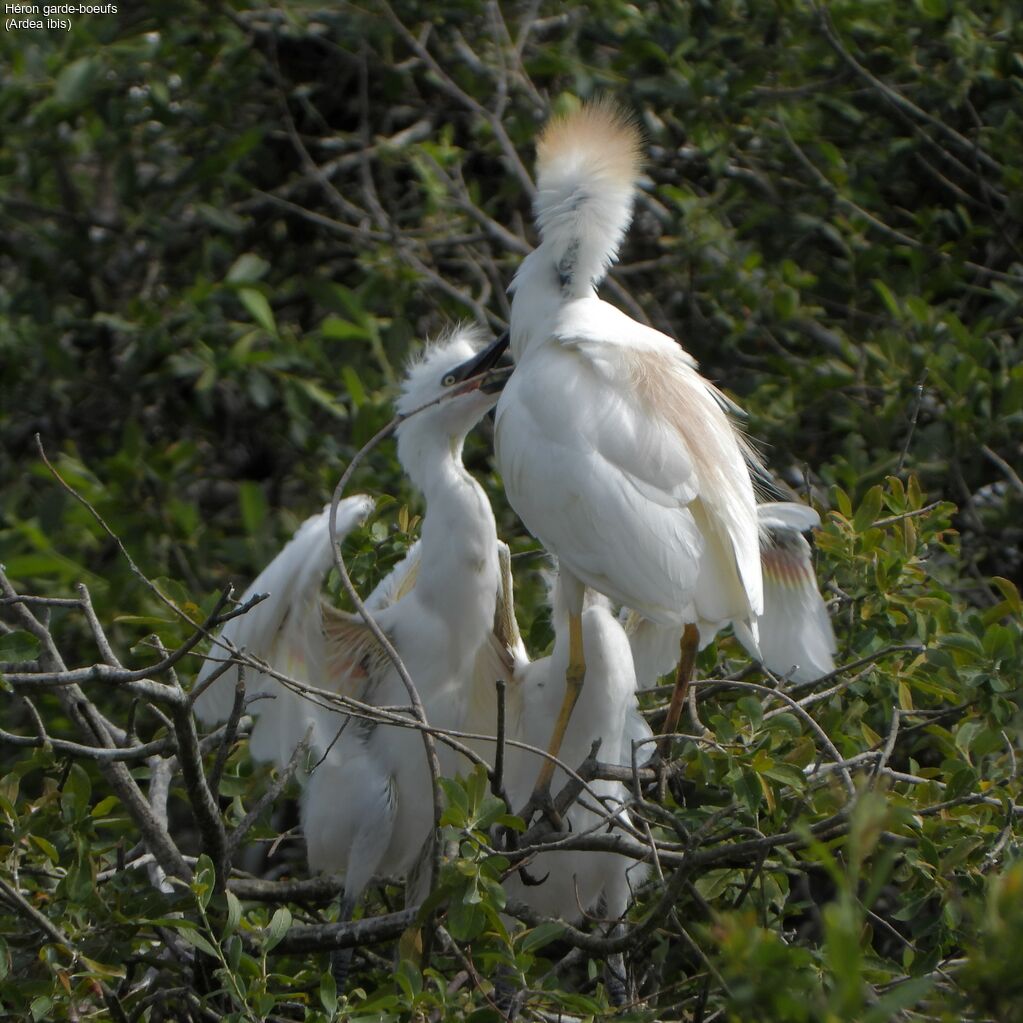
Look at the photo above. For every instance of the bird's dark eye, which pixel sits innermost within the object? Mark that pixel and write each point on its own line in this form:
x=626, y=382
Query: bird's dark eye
x=449, y=379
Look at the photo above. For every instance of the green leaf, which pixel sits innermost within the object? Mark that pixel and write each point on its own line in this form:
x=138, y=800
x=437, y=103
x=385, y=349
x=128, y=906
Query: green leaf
x=49, y=851
x=204, y=880
x=889, y=300
x=104, y=969
x=869, y=509
x=40, y=1007
x=104, y=806
x=542, y=934
x=466, y=920
x=456, y=800
x=1009, y=591
x=75, y=83
x=842, y=501
x=234, y=915
x=717, y=881
x=328, y=992
x=195, y=939
x=77, y=791
x=253, y=506
x=336, y=329
x=321, y=397
x=786, y=302
x=19, y=645
x=247, y=269
x=280, y=924
x=233, y=949
x=259, y=308
x=787, y=775
x=966, y=733
x=353, y=385
x=409, y=979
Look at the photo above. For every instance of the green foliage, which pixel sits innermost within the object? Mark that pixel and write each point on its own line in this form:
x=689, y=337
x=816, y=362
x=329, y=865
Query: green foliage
x=223, y=230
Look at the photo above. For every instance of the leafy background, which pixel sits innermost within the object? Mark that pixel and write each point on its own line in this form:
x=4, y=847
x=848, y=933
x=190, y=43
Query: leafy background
x=224, y=227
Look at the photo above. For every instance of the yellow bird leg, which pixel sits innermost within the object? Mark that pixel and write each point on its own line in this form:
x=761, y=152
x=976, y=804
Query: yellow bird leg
x=574, y=676
x=683, y=675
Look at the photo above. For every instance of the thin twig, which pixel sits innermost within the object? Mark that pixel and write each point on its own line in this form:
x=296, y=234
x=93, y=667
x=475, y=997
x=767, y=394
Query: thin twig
x=268, y=797
x=230, y=731
x=19, y=903
x=896, y=98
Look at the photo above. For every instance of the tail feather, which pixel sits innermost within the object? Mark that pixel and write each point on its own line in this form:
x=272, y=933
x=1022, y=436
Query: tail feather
x=796, y=636
x=587, y=164
x=795, y=640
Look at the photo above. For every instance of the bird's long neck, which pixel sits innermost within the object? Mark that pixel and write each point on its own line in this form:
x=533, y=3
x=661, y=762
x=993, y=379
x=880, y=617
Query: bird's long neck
x=539, y=292
x=459, y=572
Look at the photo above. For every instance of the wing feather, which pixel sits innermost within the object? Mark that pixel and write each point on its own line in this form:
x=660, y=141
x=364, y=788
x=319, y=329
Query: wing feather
x=284, y=631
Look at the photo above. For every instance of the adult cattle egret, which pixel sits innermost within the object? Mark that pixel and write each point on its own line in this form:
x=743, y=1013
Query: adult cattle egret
x=797, y=641
x=367, y=808
x=614, y=451
x=580, y=881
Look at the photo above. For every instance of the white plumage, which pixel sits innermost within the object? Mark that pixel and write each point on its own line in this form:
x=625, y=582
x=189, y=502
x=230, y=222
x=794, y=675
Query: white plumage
x=367, y=808
x=614, y=451
x=576, y=882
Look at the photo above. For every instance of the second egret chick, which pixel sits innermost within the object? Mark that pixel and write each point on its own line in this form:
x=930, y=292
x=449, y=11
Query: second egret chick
x=581, y=882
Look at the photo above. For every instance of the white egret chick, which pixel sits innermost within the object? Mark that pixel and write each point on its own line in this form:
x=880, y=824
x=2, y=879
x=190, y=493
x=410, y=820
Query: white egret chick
x=614, y=451
x=367, y=808
x=796, y=642
x=579, y=882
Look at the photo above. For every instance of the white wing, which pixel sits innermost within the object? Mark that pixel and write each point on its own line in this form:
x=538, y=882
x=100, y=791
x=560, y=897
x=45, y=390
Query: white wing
x=397, y=582
x=786, y=516
x=285, y=631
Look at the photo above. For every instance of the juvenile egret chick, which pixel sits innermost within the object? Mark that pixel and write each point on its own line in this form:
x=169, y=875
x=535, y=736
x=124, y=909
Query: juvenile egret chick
x=614, y=451
x=796, y=638
x=367, y=808
x=578, y=882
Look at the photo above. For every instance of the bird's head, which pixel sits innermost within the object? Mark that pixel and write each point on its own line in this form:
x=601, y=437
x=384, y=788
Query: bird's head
x=588, y=163
x=458, y=376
